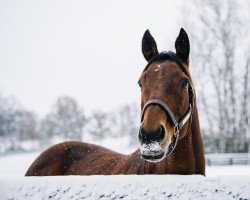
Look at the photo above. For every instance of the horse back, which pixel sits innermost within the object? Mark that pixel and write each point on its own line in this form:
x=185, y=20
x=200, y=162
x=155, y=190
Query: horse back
x=74, y=158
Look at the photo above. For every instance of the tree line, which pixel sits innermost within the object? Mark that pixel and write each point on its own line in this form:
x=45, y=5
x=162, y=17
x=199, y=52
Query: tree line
x=66, y=120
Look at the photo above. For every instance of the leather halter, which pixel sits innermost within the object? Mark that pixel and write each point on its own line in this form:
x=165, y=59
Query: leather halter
x=188, y=115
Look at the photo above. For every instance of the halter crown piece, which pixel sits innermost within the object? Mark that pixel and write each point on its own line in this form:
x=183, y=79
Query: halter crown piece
x=188, y=115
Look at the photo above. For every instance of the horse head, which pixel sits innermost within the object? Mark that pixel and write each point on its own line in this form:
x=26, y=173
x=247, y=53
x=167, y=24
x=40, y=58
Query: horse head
x=166, y=97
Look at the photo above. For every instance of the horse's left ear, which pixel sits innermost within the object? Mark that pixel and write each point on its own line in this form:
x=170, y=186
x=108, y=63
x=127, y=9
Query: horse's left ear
x=182, y=46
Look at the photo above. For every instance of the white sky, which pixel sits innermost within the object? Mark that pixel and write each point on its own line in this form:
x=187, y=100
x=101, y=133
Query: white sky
x=90, y=50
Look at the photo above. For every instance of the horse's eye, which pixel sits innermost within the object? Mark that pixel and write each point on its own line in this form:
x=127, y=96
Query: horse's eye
x=140, y=84
x=184, y=83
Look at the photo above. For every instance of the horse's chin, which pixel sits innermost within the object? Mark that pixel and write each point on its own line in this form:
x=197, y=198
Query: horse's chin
x=154, y=158
x=152, y=152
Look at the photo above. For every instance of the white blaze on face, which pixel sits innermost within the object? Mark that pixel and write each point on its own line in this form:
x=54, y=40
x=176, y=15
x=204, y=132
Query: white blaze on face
x=158, y=67
x=150, y=149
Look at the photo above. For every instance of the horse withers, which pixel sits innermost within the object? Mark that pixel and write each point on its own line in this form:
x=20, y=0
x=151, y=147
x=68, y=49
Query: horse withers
x=169, y=135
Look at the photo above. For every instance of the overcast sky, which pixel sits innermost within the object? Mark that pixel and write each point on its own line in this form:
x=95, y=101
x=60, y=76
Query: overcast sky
x=87, y=49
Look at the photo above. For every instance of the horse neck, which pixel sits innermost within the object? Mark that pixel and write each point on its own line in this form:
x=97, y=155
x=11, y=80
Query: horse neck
x=198, y=147
x=195, y=126
x=190, y=148
x=193, y=130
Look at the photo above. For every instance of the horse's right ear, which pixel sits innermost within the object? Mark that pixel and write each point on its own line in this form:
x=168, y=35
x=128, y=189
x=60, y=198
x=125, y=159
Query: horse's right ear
x=149, y=47
x=182, y=46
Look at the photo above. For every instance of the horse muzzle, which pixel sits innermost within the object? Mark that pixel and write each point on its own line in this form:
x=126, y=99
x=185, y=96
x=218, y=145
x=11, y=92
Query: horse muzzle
x=152, y=152
x=151, y=148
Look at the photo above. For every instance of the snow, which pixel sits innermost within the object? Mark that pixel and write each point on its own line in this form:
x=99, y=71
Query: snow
x=146, y=149
x=16, y=164
x=125, y=187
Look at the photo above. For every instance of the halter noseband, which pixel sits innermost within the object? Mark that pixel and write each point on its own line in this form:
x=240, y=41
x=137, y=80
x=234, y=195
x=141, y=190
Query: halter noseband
x=188, y=115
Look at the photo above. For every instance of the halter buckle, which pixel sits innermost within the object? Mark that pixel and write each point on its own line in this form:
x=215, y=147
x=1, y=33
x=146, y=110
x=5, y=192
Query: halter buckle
x=176, y=129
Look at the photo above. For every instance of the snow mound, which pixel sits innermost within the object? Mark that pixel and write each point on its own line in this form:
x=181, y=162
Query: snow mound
x=125, y=187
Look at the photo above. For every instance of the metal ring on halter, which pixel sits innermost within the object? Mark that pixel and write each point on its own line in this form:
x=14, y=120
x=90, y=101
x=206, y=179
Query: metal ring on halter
x=176, y=129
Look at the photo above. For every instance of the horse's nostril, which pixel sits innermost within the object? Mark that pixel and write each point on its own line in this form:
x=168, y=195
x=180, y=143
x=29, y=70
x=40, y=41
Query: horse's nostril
x=153, y=136
x=143, y=135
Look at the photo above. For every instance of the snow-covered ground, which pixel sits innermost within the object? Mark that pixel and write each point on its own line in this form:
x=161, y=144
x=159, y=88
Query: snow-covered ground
x=125, y=187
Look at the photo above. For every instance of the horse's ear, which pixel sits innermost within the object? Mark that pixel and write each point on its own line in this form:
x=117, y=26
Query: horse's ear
x=149, y=47
x=182, y=46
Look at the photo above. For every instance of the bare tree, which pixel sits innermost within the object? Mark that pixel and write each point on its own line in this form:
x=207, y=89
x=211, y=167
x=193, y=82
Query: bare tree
x=128, y=122
x=27, y=125
x=100, y=125
x=16, y=125
x=122, y=122
x=244, y=124
x=216, y=47
x=65, y=120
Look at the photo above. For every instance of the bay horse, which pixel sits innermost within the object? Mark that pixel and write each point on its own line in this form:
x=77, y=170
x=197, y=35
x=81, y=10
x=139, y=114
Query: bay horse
x=169, y=135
